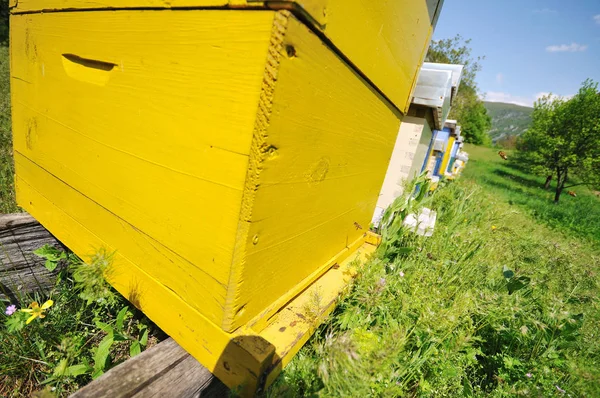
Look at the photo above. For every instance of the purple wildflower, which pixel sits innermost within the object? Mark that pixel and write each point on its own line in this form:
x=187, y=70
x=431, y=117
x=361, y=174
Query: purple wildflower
x=560, y=389
x=401, y=274
x=529, y=375
x=382, y=282
x=11, y=309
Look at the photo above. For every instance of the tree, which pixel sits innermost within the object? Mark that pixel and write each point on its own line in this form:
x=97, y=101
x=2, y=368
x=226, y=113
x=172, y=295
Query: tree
x=564, y=139
x=468, y=108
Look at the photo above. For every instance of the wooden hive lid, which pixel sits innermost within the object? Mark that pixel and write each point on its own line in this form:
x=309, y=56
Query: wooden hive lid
x=384, y=40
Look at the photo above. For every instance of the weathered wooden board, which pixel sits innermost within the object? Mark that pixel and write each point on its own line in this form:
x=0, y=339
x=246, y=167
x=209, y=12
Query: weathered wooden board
x=21, y=271
x=164, y=370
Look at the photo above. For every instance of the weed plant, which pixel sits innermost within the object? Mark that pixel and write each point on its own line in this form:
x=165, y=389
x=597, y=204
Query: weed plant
x=492, y=304
x=85, y=328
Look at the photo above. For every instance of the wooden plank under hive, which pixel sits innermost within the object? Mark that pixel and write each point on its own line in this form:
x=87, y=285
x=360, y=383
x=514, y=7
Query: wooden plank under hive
x=230, y=159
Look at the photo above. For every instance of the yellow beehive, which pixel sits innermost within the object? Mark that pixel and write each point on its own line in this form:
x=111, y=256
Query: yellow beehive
x=385, y=39
x=231, y=160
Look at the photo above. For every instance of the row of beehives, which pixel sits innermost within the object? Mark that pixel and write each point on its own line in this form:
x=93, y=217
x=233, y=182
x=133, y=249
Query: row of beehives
x=226, y=154
x=427, y=141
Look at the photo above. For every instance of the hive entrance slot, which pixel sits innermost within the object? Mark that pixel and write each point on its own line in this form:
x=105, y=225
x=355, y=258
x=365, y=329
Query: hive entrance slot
x=87, y=70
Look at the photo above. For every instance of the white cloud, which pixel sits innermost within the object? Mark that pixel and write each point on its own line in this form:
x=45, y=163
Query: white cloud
x=597, y=19
x=573, y=47
x=496, y=96
x=500, y=78
x=545, y=11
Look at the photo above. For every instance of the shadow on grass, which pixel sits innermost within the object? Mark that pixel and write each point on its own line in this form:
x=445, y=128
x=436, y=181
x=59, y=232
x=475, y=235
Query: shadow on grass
x=511, y=182
x=530, y=182
x=518, y=165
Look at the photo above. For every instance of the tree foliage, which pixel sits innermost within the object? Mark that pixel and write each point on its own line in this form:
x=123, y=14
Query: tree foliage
x=564, y=139
x=468, y=108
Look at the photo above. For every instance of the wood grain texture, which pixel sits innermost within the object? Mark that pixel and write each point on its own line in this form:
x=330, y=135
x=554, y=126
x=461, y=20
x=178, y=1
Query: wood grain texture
x=385, y=39
x=73, y=217
x=165, y=370
x=163, y=145
x=229, y=158
x=53, y=5
x=21, y=271
x=404, y=161
x=321, y=160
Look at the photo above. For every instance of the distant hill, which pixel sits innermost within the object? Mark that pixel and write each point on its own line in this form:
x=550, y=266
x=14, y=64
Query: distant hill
x=508, y=119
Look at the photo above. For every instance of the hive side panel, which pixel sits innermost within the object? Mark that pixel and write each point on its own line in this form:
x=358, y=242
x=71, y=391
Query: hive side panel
x=422, y=149
x=49, y=5
x=325, y=153
x=37, y=188
x=400, y=165
x=387, y=40
x=195, y=333
x=148, y=114
x=447, y=154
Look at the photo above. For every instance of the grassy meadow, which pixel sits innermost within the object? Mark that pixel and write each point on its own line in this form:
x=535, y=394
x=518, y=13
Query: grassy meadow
x=501, y=301
x=509, y=182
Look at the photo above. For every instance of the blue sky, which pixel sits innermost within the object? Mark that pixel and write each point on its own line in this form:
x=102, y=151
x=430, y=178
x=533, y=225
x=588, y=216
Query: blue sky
x=531, y=46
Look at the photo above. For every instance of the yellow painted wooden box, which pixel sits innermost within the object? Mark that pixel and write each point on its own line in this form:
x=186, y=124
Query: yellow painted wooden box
x=231, y=160
x=385, y=39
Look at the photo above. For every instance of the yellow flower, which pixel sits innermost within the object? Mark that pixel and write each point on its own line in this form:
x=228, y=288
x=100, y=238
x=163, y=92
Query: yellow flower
x=493, y=227
x=36, y=311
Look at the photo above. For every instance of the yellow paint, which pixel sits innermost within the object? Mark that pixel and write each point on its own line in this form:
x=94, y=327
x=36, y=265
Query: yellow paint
x=217, y=152
x=430, y=165
x=320, y=170
x=164, y=144
x=388, y=44
x=52, y=5
x=386, y=39
x=447, y=153
x=261, y=355
x=299, y=319
x=86, y=70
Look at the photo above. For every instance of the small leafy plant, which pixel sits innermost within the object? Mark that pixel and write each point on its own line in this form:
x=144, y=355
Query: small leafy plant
x=52, y=255
x=82, y=329
x=492, y=304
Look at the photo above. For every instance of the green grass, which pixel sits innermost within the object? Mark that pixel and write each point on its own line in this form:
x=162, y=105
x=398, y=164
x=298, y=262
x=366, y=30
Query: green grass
x=493, y=304
x=501, y=301
x=7, y=194
x=509, y=182
x=87, y=330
